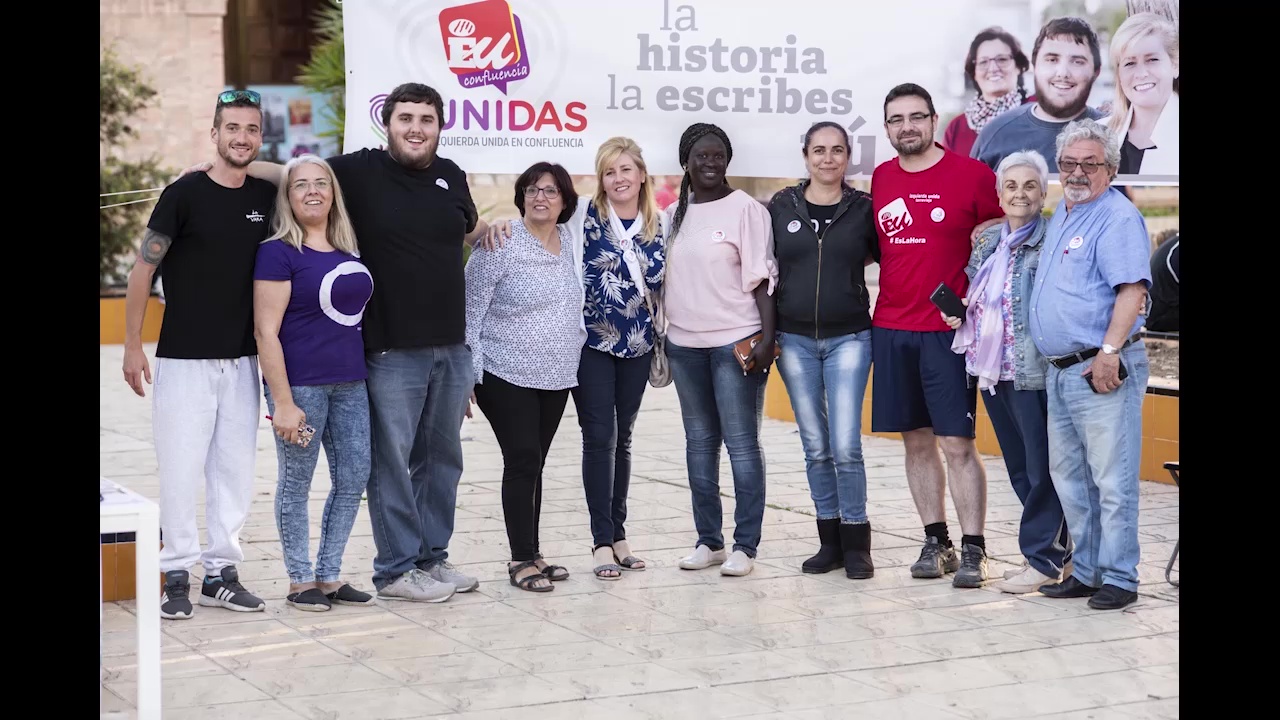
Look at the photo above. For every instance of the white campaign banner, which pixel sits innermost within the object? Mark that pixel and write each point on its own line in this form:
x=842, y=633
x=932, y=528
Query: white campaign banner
x=531, y=80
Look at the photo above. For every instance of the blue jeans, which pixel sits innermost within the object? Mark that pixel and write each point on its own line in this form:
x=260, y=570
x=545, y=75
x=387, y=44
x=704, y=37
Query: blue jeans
x=1020, y=420
x=417, y=399
x=719, y=403
x=340, y=415
x=827, y=381
x=1095, y=452
x=608, y=400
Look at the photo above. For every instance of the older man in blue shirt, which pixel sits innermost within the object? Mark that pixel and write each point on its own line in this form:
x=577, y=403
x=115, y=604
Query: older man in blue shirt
x=1086, y=311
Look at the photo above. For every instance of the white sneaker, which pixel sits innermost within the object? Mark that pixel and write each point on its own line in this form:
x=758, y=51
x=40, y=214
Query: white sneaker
x=417, y=586
x=702, y=557
x=738, y=564
x=1027, y=581
x=1014, y=572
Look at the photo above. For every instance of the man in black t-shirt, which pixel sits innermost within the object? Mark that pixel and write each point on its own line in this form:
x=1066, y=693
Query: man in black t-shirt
x=412, y=210
x=205, y=231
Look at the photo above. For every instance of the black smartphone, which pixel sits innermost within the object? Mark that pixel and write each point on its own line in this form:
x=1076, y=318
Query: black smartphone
x=1088, y=377
x=947, y=301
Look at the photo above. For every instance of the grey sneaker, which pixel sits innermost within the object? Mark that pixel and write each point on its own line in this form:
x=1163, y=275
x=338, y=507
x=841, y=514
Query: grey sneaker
x=417, y=586
x=935, y=560
x=445, y=572
x=973, y=568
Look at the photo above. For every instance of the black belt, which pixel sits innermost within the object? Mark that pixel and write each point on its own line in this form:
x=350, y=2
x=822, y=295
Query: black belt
x=1066, y=361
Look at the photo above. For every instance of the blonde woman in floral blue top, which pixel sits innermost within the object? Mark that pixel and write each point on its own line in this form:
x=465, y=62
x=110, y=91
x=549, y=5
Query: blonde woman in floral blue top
x=619, y=237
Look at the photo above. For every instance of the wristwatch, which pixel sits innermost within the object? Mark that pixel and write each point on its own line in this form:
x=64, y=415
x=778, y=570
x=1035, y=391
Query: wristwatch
x=1108, y=349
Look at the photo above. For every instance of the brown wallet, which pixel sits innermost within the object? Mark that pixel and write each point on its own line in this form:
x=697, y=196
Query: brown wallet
x=742, y=349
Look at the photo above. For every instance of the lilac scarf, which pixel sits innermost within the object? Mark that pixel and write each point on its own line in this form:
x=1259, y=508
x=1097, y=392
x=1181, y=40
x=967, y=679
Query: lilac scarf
x=987, y=290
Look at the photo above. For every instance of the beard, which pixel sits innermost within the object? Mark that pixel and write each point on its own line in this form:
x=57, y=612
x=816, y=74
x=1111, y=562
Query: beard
x=224, y=152
x=1076, y=191
x=913, y=145
x=413, y=159
x=1073, y=108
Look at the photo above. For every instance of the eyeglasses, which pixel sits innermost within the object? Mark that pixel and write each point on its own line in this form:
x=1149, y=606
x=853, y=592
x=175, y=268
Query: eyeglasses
x=1002, y=61
x=913, y=118
x=551, y=191
x=230, y=96
x=1089, y=168
x=306, y=185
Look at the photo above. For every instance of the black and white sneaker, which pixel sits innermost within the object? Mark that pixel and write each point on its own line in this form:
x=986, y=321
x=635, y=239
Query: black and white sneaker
x=174, y=603
x=225, y=590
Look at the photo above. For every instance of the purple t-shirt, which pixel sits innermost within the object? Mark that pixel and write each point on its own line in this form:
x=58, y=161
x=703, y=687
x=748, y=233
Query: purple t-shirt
x=321, y=330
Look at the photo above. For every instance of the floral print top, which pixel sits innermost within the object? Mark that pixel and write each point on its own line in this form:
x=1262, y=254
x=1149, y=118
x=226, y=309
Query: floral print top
x=617, y=317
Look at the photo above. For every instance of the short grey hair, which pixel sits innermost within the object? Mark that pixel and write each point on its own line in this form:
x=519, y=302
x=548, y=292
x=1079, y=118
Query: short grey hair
x=1086, y=129
x=1024, y=158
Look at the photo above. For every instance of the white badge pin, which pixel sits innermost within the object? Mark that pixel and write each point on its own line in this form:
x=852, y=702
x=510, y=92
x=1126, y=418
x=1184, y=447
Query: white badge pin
x=793, y=226
x=717, y=235
x=938, y=214
x=442, y=183
x=1075, y=242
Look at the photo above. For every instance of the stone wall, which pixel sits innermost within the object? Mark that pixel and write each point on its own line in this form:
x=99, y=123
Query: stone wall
x=179, y=47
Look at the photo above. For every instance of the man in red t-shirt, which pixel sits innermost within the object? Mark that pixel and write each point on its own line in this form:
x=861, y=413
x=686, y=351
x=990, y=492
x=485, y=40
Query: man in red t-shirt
x=927, y=202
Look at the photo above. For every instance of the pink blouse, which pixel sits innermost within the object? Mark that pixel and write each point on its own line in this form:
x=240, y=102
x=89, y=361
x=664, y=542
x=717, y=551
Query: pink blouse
x=723, y=251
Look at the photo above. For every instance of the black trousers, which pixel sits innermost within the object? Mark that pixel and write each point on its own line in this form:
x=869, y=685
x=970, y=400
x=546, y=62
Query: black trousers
x=525, y=421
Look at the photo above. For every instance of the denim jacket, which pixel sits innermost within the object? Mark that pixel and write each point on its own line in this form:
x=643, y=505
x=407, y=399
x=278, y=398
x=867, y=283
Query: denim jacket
x=1030, y=365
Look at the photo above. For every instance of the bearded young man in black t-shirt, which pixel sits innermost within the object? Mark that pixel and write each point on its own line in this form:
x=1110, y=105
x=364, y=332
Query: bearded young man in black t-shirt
x=205, y=231
x=412, y=210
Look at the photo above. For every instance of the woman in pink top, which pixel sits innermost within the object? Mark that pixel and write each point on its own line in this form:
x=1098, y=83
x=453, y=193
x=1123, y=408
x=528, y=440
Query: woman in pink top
x=720, y=278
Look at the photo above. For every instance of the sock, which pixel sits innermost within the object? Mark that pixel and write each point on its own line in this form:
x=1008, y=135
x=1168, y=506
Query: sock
x=979, y=540
x=938, y=530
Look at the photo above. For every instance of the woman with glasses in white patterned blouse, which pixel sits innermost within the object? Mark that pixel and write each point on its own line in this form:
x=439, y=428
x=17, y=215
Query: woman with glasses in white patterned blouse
x=524, y=328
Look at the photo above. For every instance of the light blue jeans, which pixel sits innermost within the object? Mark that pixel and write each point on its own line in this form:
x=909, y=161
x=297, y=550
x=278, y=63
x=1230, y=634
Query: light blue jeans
x=827, y=381
x=340, y=415
x=1095, y=453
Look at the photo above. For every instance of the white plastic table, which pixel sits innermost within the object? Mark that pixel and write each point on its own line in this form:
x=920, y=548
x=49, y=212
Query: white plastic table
x=122, y=511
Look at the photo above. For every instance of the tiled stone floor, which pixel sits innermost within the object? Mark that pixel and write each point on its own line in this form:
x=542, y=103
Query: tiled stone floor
x=663, y=643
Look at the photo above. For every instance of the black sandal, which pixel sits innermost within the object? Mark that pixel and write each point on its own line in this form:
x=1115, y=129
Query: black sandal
x=527, y=583
x=554, y=573
x=347, y=595
x=311, y=600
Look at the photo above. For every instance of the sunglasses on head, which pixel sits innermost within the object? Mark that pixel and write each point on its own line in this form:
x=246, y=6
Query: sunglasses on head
x=231, y=96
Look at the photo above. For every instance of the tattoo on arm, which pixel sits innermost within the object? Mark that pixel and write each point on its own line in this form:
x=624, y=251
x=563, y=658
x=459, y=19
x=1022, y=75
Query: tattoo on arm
x=154, y=247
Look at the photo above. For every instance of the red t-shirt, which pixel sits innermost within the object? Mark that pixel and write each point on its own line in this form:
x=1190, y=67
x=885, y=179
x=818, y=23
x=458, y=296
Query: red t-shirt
x=923, y=223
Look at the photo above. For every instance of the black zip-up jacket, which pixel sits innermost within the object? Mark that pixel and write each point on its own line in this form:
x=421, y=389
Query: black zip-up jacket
x=822, y=286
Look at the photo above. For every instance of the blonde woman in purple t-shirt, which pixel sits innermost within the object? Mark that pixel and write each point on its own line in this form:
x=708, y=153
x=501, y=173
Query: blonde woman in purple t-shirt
x=309, y=295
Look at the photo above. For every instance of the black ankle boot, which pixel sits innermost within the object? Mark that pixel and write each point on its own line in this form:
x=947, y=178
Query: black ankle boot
x=829, y=556
x=856, y=542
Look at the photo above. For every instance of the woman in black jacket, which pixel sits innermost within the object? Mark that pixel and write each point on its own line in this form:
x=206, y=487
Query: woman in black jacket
x=824, y=236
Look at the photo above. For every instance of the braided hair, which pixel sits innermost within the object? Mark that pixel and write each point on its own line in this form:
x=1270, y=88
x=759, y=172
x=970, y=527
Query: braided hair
x=693, y=134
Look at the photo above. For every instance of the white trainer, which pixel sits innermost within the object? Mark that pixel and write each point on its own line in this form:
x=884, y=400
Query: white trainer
x=738, y=564
x=1014, y=572
x=1027, y=581
x=702, y=557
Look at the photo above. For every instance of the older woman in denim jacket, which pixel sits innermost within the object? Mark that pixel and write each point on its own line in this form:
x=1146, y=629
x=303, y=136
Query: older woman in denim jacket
x=1001, y=357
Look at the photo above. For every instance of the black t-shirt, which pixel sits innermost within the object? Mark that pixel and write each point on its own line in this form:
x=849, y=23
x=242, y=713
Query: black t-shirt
x=208, y=271
x=1130, y=158
x=410, y=226
x=821, y=216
